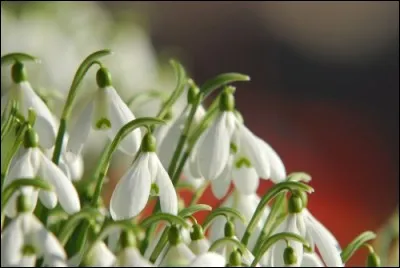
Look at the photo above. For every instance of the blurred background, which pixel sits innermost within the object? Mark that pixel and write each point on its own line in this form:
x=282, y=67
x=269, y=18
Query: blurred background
x=324, y=90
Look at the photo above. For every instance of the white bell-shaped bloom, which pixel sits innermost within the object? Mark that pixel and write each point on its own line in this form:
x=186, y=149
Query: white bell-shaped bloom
x=132, y=191
x=99, y=256
x=199, y=246
x=25, y=239
x=311, y=260
x=105, y=111
x=170, y=141
x=45, y=125
x=178, y=255
x=246, y=205
x=72, y=167
x=275, y=253
x=265, y=160
x=240, y=171
x=213, y=147
x=32, y=164
x=208, y=259
x=131, y=257
x=319, y=236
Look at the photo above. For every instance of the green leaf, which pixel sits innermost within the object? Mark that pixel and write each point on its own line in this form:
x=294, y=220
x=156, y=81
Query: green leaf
x=358, y=242
x=223, y=211
x=171, y=219
x=21, y=57
x=186, y=212
x=180, y=87
x=15, y=185
x=223, y=79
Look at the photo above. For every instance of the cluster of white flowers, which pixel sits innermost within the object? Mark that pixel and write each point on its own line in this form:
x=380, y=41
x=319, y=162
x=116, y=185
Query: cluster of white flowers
x=200, y=147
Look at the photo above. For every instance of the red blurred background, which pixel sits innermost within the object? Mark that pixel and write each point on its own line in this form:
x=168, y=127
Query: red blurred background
x=324, y=91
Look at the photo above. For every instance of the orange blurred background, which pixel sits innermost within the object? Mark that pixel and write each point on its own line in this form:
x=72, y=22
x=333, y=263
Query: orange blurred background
x=324, y=92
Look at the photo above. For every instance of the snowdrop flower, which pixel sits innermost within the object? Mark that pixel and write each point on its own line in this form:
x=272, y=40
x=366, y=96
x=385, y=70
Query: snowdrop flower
x=199, y=243
x=213, y=147
x=22, y=92
x=99, y=256
x=289, y=252
x=311, y=260
x=320, y=237
x=130, y=256
x=146, y=176
x=171, y=139
x=246, y=205
x=178, y=253
x=72, y=167
x=33, y=163
x=25, y=239
x=240, y=171
x=208, y=259
x=106, y=111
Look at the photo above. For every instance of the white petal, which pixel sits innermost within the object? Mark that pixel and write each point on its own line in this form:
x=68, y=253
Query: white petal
x=169, y=142
x=278, y=171
x=12, y=241
x=245, y=179
x=27, y=261
x=75, y=168
x=23, y=168
x=130, y=257
x=179, y=255
x=209, y=259
x=132, y=191
x=213, y=153
x=249, y=146
x=45, y=125
x=193, y=167
x=167, y=194
x=113, y=239
x=199, y=246
x=119, y=116
x=325, y=242
x=101, y=256
x=65, y=190
x=311, y=260
x=64, y=167
x=48, y=198
x=80, y=131
x=220, y=185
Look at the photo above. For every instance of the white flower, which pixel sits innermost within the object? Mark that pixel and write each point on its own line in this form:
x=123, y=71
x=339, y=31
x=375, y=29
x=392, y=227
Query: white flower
x=199, y=246
x=25, y=239
x=265, y=160
x=131, y=257
x=132, y=191
x=45, y=124
x=213, y=147
x=275, y=253
x=106, y=111
x=241, y=172
x=72, y=167
x=170, y=141
x=311, y=260
x=33, y=163
x=246, y=205
x=178, y=255
x=99, y=256
x=208, y=259
x=317, y=235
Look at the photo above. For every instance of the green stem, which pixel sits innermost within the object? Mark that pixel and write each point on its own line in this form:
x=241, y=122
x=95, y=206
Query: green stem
x=275, y=238
x=272, y=193
x=160, y=245
x=357, y=243
x=79, y=75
